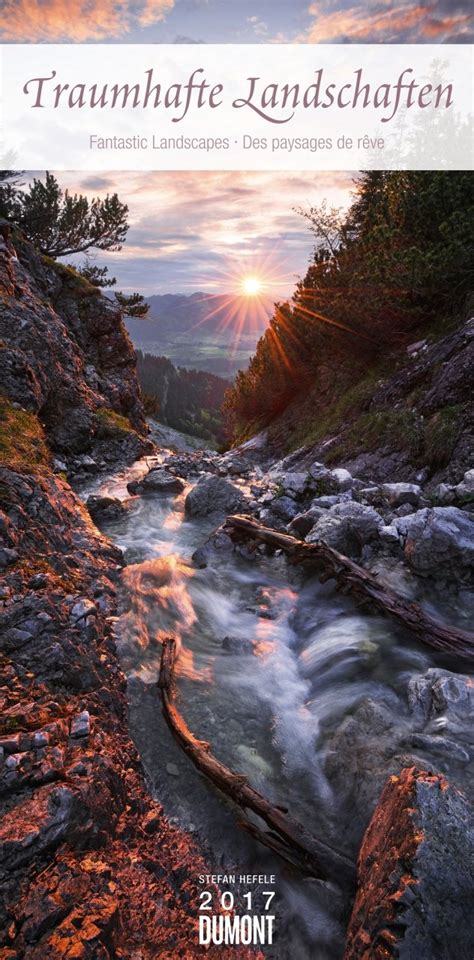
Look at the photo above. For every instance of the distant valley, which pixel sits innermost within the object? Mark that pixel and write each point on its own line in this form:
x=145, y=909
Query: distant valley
x=216, y=333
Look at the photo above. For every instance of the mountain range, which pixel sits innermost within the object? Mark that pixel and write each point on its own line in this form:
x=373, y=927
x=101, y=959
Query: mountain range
x=216, y=332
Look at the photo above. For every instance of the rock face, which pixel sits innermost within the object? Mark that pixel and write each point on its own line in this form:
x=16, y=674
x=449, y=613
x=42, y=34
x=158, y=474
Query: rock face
x=87, y=859
x=213, y=496
x=415, y=874
x=66, y=357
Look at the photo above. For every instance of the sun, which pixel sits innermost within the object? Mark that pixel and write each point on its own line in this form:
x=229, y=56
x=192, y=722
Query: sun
x=251, y=286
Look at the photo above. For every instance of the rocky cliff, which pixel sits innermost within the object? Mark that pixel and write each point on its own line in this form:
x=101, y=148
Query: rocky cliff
x=89, y=867
x=67, y=358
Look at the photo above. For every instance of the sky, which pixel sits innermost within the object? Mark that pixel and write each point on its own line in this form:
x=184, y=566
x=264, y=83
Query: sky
x=237, y=21
x=193, y=231
x=203, y=231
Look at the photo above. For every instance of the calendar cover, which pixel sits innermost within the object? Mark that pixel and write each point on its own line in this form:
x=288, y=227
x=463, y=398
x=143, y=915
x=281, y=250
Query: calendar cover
x=236, y=480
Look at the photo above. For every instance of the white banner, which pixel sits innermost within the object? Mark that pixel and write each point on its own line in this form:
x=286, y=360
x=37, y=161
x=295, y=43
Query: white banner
x=236, y=107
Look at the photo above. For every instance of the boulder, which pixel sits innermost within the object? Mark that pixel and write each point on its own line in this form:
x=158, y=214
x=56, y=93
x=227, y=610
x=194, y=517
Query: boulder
x=441, y=693
x=415, y=874
x=347, y=527
x=217, y=546
x=400, y=493
x=465, y=490
x=158, y=481
x=438, y=540
x=294, y=484
x=342, y=478
x=213, y=496
x=103, y=509
x=285, y=508
x=304, y=522
x=322, y=480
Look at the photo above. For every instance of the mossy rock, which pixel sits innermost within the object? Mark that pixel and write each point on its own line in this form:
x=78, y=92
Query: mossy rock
x=23, y=444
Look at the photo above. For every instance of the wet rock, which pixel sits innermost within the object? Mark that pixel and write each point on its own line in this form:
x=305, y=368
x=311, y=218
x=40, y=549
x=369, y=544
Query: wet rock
x=415, y=874
x=438, y=539
x=213, y=496
x=441, y=746
x=104, y=509
x=218, y=544
x=158, y=481
x=400, y=493
x=442, y=693
x=237, y=645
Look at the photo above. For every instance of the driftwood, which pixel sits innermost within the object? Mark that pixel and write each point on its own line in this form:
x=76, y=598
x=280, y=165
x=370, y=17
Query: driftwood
x=286, y=837
x=363, y=585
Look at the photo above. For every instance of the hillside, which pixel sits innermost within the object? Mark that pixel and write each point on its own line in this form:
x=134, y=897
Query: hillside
x=195, y=331
x=188, y=400
x=370, y=364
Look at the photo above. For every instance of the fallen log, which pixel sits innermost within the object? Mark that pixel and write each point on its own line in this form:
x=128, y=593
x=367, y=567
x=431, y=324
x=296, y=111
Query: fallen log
x=286, y=837
x=360, y=583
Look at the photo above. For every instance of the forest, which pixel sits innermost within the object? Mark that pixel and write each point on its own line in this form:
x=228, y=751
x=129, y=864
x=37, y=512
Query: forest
x=385, y=272
x=188, y=400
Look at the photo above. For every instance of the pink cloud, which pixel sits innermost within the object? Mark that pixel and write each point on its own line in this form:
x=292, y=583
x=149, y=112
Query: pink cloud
x=79, y=20
x=363, y=24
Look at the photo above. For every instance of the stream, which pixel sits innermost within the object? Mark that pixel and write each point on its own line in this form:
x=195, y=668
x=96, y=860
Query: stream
x=290, y=684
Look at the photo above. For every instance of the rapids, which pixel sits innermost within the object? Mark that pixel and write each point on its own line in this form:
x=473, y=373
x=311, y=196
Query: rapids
x=290, y=684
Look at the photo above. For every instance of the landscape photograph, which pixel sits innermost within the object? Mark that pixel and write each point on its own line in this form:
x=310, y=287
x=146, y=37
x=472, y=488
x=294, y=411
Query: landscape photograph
x=237, y=484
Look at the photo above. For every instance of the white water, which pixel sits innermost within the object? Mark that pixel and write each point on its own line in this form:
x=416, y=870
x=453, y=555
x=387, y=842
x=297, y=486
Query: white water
x=279, y=711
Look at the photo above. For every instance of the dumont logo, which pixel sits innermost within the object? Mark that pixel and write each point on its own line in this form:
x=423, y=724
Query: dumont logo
x=230, y=930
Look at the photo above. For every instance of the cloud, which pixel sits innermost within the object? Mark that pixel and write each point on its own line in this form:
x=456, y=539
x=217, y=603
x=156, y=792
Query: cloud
x=196, y=230
x=384, y=22
x=78, y=20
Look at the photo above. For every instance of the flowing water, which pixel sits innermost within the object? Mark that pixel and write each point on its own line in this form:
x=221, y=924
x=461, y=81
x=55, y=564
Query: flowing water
x=289, y=683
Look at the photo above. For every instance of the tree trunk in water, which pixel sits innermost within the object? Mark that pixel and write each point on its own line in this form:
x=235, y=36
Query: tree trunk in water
x=353, y=579
x=286, y=837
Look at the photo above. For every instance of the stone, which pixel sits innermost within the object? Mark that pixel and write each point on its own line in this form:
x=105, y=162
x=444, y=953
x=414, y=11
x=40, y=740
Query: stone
x=285, y=508
x=7, y=556
x=442, y=693
x=438, y=540
x=159, y=481
x=81, y=725
x=237, y=645
x=82, y=610
x=347, y=527
x=304, y=522
x=440, y=745
x=294, y=484
x=389, y=534
x=343, y=478
x=323, y=480
x=103, y=509
x=400, y=493
x=414, y=348
x=465, y=490
x=172, y=769
x=415, y=873
x=444, y=493
x=213, y=496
